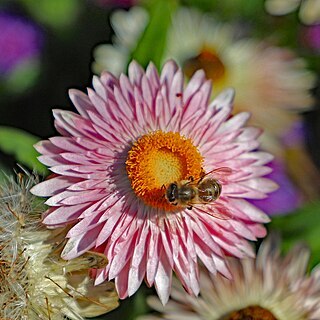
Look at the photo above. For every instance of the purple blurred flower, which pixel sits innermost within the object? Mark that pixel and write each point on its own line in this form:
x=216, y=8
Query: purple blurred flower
x=311, y=37
x=20, y=41
x=295, y=136
x=285, y=199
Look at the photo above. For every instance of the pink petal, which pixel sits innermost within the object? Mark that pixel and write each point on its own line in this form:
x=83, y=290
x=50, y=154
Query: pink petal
x=60, y=215
x=153, y=77
x=153, y=256
x=52, y=186
x=81, y=102
x=135, y=73
x=163, y=278
x=135, y=277
x=46, y=147
x=121, y=282
x=168, y=71
x=251, y=212
x=99, y=87
x=78, y=245
x=194, y=84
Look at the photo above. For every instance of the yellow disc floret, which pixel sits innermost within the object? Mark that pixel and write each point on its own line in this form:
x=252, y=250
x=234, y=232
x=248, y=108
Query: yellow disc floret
x=158, y=159
x=209, y=61
x=251, y=312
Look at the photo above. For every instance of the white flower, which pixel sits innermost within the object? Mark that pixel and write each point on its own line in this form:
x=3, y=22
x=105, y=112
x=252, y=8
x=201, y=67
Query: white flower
x=269, y=287
x=128, y=27
x=309, y=12
x=271, y=82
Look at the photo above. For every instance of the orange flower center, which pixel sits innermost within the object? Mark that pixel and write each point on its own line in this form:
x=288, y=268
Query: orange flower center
x=250, y=313
x=209, y=61
x=158, y=159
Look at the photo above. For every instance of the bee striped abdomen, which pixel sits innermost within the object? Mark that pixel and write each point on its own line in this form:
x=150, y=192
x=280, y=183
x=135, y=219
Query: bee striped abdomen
x=209, y=190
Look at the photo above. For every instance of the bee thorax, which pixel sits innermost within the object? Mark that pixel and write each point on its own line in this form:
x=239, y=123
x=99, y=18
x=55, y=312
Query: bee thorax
x=187, y=193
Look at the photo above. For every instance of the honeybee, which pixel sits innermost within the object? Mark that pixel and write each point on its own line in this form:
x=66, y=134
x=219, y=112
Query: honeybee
x=187, y=193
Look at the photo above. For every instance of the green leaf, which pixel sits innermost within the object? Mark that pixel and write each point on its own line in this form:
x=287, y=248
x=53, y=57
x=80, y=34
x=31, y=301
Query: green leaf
x=19, y=143
x=139, y=303
x=152, y=43
x=54, y=13
x=229, y=9
x=302, y=225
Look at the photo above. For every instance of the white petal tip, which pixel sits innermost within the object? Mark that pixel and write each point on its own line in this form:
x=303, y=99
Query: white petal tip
x=37, y=190
x=226, y=95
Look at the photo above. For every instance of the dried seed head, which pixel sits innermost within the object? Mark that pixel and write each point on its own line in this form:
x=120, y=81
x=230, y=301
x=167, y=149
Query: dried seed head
x=35, y=283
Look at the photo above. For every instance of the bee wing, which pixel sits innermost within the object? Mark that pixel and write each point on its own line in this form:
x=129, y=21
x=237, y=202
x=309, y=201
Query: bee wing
x=215, y=210
x=94, y=300
x=220, y=174
x=83, y=263
x=190, y=182
x=88, y=299
x=91, y=259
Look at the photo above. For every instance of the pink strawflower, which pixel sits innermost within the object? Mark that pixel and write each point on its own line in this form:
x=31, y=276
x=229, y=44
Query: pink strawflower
x=134, y=137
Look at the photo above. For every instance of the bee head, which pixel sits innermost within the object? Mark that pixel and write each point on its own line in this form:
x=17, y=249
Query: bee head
x=172, y=192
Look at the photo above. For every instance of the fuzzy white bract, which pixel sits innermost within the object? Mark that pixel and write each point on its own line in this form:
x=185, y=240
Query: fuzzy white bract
x=34, y=282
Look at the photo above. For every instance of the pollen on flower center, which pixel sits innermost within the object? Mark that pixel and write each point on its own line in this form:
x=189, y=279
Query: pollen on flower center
x=209, y=61
x=252, y=312
x=158, y=159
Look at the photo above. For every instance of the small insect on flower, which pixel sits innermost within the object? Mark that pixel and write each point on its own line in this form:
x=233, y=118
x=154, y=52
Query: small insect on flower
x=206, y=190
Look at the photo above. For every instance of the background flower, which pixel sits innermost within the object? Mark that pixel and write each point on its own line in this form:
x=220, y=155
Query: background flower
x=286, y=199
x=133, y=136
x=309, y=12
x=268, y=287
x=21, y=41
x=271, y=82
x=128, y=27
x=310, y=36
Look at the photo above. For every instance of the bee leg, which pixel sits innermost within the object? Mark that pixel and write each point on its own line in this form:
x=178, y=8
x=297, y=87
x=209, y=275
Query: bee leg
x=190, y=179
x=163, y=187
x=203, y=174
x=189, y=208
